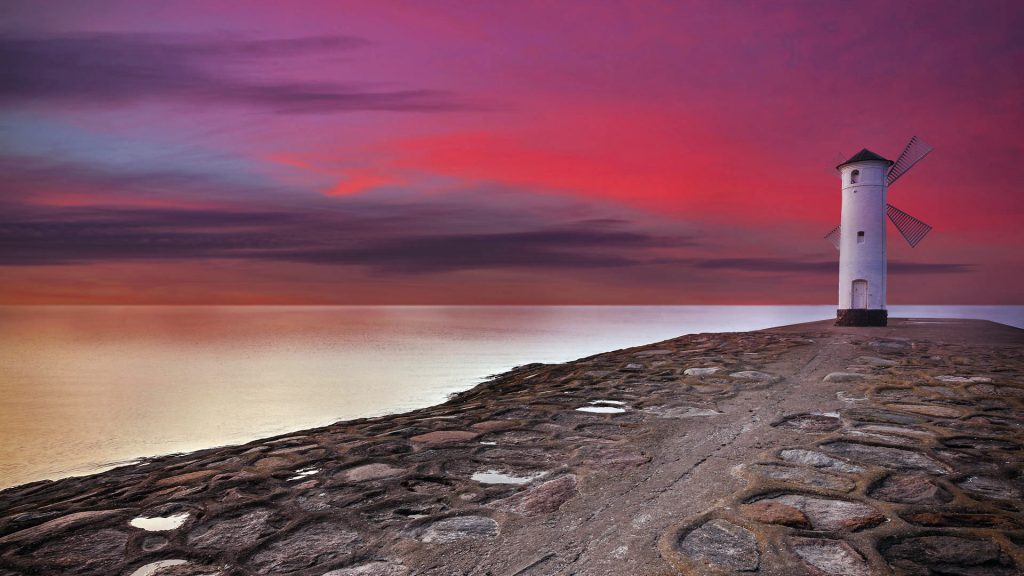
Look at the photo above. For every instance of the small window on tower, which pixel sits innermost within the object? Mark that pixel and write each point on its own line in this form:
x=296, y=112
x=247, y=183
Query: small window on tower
x=854, y=176
x=860, y=237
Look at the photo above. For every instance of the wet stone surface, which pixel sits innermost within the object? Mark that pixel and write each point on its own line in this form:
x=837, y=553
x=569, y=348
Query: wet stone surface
x=369, y=472
x=460, y=528
x=754, y=375
x=831, y=556
x=894, y=458
x=876, y=361
x=810, y=423
x=910, y=489
x=930, y=410
x=895, y=429
x=954, y=518
x=829, y=514
x=882, y=416
x=990, y=488
x=371, y=569
x=310, y=546
x=801, y=475
x=843, y=377
x=96, y=552
x=776, y=513
x=701, y=371
x=723, y=544
x=236, y=532
x=818, y=460
x=948, y=555
x=546, y=498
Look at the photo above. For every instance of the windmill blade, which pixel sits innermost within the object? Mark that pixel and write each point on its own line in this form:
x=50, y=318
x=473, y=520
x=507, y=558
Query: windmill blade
x=839, y=159
x=915, y=151
x=833, y=237
x=912, y=229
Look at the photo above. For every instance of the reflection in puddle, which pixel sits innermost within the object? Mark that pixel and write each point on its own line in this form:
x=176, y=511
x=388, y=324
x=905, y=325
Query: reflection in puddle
x=154, y=566
x=303, y=473
x=160, y=523
x=601, y=409
x=496, y=477
x=488, y=443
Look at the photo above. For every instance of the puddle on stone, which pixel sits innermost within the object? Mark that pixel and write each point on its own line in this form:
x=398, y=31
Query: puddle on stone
x=488, y=443
x=160, y=523
x=601, y=409
x=498, y=477
x=299, y=475
x=154, y=566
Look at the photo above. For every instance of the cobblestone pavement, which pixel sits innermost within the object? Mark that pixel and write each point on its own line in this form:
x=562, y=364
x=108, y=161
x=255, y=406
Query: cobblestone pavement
x=801, y=450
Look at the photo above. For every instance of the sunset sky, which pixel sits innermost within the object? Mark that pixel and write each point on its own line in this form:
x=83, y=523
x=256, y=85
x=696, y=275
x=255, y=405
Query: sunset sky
x=499, y=152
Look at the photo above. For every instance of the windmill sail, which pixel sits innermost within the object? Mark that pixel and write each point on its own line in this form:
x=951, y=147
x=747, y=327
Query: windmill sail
x=911, y=228
x=915, y=151
x=839, y=159
x=833, y=237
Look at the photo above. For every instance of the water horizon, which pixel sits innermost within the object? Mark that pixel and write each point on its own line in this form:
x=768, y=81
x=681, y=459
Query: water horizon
x=89, y=387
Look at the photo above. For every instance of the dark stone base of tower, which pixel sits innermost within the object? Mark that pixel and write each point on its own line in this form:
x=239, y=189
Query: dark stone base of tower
x=861, y=317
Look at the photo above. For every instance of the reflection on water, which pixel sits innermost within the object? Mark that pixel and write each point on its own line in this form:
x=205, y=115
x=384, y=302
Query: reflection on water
x=83, y=387
x=299, y=475
x=601, y=409
x=160, y=523
x=499, y=477
x=152, y=567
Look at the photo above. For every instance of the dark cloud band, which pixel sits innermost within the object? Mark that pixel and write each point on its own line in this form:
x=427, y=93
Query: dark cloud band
x=355, y=237
x=770, y=265
x=113, y=69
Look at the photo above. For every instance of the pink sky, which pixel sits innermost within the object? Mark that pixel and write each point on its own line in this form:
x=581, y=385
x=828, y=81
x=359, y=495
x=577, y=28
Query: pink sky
x=487, y=152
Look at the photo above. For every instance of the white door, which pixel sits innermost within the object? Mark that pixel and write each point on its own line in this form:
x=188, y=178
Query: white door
x=860, y=294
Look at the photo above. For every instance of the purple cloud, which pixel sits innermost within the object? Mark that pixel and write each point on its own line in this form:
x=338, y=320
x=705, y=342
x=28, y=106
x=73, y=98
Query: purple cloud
x=383, y=237
x=113, y=69
x=770, y=265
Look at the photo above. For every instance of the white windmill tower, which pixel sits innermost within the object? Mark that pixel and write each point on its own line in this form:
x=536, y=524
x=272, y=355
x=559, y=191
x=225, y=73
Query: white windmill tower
x=860, y=236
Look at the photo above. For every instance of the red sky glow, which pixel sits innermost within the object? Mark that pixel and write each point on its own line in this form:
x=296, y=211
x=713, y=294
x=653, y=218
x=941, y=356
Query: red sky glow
x=499, y=153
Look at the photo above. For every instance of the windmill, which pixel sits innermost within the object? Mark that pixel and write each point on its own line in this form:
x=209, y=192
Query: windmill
x=860, y=236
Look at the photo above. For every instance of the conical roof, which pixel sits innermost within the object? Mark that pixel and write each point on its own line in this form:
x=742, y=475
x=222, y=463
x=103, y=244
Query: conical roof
x=863, y=156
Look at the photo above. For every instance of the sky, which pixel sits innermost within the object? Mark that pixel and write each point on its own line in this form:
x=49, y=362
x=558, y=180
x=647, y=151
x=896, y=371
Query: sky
x=499, y=152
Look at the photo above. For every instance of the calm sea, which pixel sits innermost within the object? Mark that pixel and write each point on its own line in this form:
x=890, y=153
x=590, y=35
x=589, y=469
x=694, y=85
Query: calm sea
x=84, y=388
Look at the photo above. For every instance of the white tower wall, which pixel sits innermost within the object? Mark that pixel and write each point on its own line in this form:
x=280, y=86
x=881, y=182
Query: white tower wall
x=862, y=254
